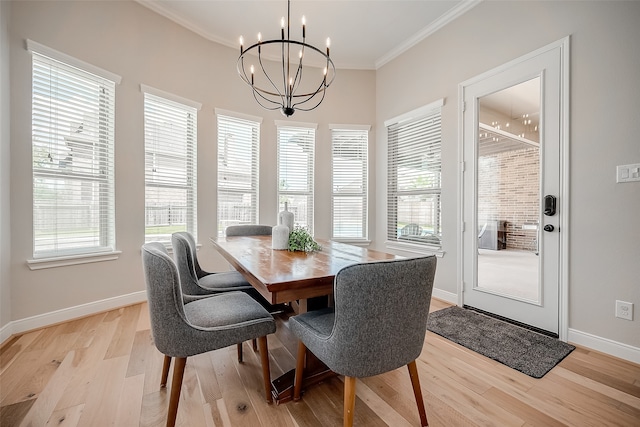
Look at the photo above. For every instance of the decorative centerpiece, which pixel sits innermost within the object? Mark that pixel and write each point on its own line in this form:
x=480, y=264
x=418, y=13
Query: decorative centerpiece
x=301, y=240
x=280, y=237
x=285, y=217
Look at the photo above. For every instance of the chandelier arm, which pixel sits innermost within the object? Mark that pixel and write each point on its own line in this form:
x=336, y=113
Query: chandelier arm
x=243, y=74
x=309, y=99
x=321, y=88
x=277, y=91
x=298, y=78
x=277, y=105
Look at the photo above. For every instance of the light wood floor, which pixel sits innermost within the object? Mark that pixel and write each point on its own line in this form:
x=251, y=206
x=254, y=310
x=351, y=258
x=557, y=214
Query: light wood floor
x=104, y=370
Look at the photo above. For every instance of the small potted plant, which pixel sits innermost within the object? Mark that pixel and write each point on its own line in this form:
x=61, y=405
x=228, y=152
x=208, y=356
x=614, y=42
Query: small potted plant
x=301, y=240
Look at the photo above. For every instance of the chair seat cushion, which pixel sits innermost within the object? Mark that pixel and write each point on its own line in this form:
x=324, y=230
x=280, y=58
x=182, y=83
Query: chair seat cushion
x=226, y=311
x=318, y=323
x=225, y=281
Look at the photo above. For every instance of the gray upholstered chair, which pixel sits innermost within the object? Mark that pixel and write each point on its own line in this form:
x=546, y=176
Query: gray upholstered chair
x=378, y=324
x=194, y=287
x=184, y=252
x=181, y=330
x=248, y=230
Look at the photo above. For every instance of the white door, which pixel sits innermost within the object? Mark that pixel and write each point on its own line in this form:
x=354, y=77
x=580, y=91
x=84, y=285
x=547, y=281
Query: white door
x=512, y=190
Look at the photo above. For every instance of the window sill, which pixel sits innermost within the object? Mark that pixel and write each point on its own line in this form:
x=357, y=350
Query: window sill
x=355, y=242
x=414, y=248
x=63, y=261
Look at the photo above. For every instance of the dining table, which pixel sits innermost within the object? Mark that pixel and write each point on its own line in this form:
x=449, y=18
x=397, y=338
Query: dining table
x=294, y=277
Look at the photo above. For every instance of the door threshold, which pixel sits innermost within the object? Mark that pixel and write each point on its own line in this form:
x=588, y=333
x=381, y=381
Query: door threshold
x=513, y=322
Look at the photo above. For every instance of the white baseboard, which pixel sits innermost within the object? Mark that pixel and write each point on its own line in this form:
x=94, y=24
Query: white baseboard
x=605, y=345
x=66, y=314
x=449, y=297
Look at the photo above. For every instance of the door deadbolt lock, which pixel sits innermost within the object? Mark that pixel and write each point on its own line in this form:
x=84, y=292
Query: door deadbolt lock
x=549, y=227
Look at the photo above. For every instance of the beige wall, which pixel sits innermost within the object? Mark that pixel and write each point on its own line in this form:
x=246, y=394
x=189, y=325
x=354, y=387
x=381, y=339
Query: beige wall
x=143, y=47
x=5, y=161
x=605, y=65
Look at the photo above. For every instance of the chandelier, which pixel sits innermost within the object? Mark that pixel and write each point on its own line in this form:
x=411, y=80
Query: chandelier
x=277, y=81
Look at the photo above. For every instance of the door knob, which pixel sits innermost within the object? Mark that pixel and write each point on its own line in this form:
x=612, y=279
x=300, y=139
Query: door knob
x=549, y=227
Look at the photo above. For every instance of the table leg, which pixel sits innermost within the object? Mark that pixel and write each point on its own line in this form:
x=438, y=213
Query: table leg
x=314, y=372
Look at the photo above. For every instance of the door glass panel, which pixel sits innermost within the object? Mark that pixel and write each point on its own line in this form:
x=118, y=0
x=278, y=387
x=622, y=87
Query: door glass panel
x=508, y=192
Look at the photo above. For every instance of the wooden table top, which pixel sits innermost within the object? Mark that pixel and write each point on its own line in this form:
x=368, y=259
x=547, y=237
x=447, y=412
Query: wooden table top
x=284, y=276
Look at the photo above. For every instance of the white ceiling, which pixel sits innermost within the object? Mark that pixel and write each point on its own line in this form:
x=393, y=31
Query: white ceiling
x=364, y=34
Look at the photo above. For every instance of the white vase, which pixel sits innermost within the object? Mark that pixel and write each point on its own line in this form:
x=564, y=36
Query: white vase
x=280, y=237
x=285, y=217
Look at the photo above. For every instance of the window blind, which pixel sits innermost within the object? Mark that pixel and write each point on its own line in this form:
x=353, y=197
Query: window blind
x=72, y=152
x=238, y=160
x=296, y=161
x=349, y=149
x=414, y=179
x=170, y=144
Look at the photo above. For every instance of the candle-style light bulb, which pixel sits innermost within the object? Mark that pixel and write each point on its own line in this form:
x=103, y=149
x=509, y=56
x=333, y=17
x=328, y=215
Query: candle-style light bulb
x=282, y=27
x=304, y=22
x=300, y=54
x=241, y=43
x=252, y=70
x=259, y=37
x=328, y=45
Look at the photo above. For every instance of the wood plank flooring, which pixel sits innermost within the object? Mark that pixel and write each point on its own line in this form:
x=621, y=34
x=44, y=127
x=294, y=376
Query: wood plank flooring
x=103, y=370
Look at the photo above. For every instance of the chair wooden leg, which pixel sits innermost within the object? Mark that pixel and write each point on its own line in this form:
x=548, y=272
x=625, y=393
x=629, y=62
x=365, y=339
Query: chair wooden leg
x=297, y=384
x=349, y=400
x=417, y=391
x=165, y=371
x=255, y=345
x=176, y=385
x=239, y=352
x=266, y=373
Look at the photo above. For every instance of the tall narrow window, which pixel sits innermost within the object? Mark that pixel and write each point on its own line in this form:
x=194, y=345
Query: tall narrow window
x=170, y=165
x=349, y=149
x=238, y=160
x=414, y=178
x=72, y=151
x=296, y=160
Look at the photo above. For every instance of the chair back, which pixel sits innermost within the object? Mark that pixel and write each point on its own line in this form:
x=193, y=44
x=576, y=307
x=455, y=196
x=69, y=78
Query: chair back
x=248, y=230
x=164, y=296
x=191, y=241
x=381, y=311
x=184, y=257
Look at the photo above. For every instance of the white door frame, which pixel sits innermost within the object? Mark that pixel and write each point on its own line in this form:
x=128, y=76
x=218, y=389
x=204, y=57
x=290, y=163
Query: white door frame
x=563, y=273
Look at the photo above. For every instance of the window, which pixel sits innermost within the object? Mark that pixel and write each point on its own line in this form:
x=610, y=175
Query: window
x=170, y=165
x=73, y=106
x=414, y=178
x=349, y=149
x=296, y=159
x=238, y=160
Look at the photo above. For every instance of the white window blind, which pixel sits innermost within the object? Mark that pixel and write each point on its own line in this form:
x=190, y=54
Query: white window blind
x=170, y=144
x=238, y=160
x=414, y=180
x=349, y=149
x=72, y=151
x=296, y=161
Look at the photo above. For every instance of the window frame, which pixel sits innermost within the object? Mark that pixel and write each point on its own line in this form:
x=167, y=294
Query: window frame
x=359, y=131
x=309, y=193
x=173, y=107
x=251, y=124
x=427, y=243
x=94, y=154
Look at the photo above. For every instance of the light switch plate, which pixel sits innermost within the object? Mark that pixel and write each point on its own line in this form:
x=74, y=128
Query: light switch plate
x=628, y=173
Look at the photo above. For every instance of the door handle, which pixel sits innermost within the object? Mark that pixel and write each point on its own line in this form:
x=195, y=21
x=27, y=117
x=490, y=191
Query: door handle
x=549, y=206
x=549, y=227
